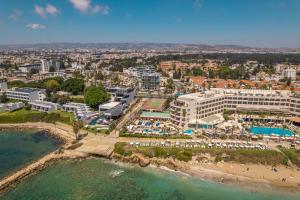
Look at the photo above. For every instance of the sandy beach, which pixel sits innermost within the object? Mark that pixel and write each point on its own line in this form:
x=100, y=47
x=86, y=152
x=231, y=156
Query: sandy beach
x=248, y=175
x=254, y=176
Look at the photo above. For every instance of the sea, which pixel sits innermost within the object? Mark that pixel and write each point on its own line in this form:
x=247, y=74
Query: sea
x=19, y=148
x=102, y=179
x=97, y=179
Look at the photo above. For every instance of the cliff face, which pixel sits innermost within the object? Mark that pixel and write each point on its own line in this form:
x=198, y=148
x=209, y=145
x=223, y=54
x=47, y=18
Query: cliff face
x=143, y=161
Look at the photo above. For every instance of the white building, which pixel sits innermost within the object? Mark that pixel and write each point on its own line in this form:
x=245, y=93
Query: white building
x=124, y=95
x=26, y=94
x=44, y=106
x=111, y=109
x=188, y=110
x=289, y=73
x=3, y=86
x=46, y=65
x=11, y=106
x=28, y=67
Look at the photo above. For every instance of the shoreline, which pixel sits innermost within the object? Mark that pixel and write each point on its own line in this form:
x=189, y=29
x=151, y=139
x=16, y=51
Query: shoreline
x=58, y=131
x=215, y=173
x=169, y=165
x=251, y=176
x=35, y=166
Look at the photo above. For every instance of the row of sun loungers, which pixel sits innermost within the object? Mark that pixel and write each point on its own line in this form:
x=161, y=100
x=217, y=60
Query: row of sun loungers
x=201, y=144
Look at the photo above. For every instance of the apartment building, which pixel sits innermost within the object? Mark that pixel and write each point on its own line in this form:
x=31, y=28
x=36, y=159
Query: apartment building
x=150, y=82
x=26, y=94
x=46, y=65
x=125, y=95
x=187, y=110
x=289, y=73
x=28, y=67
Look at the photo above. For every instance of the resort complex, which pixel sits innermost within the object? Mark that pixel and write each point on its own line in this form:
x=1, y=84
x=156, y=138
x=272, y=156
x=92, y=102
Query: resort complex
x=192, y=108
x=202, y=109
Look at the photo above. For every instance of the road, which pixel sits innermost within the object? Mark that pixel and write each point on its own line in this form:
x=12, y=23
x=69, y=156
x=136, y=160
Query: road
x=126, y=118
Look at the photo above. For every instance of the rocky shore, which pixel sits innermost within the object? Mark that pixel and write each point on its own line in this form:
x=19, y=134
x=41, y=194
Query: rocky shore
x=253, y=176
x=61, y=132
x=12, y=180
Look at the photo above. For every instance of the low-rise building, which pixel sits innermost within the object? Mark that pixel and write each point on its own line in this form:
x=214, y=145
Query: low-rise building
x=44, y=106
x=111, y=110
x=124, y=95
x=26, y=94
x=11, y=106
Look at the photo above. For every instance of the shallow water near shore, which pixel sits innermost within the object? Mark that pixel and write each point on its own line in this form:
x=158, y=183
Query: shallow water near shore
x=20, y=147
x=100, y=179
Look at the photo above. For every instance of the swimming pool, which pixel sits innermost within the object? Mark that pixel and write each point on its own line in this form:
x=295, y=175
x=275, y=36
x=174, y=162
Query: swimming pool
x=270, y=130
x=188, y=132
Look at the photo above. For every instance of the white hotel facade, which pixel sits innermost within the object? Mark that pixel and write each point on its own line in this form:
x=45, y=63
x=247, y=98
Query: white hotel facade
x=187, y=110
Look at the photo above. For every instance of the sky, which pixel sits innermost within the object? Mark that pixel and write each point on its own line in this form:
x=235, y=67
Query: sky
x=256, y=23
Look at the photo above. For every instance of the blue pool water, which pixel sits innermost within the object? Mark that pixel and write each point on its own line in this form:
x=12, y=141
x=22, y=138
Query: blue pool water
x=188, y=132
x=270, y=130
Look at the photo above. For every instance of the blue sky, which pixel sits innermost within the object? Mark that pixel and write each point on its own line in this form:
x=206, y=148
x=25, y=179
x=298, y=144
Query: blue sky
x=259, y=23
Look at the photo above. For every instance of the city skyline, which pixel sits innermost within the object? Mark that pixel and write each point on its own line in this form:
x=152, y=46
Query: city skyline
x=248, y=23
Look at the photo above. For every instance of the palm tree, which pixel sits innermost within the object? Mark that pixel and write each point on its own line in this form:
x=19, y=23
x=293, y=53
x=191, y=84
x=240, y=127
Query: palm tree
x=77, y=125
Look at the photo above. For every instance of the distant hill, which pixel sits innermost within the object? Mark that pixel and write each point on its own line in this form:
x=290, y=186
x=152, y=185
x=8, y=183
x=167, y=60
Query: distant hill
x=152, y=46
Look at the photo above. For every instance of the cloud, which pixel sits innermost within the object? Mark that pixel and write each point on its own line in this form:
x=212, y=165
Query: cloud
x=85, y=6
x=40, y=11
x=103, y=9
x=198, y=3
x=52, y=10
x=81, y=5
x=15, y=15
x=35, y=26
x=45, y=11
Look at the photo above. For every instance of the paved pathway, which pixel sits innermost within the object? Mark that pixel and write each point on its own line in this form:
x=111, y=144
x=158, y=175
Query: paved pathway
x=126, y=118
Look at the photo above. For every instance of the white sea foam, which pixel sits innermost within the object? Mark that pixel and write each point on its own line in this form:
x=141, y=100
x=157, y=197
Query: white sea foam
x=115, y=173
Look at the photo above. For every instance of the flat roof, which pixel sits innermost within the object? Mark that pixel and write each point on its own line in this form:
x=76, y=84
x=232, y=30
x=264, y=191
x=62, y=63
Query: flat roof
x=109, y=105
x=26, y=90
x=162, y=115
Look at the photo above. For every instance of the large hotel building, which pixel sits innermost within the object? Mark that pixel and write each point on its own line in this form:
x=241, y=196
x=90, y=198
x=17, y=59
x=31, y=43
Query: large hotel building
x=191, y=109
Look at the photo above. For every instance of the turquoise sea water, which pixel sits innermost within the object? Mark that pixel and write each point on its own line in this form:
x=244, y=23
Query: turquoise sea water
x=20, y=148
x=271, y=130
x=99, y=179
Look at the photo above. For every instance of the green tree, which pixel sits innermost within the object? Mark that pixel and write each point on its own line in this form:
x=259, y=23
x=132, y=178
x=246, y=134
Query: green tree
x=197, y=71
x=3, y=98
x=94, y=96
x=74, y=85
x=170, y=86
x=52, y=69
x=52, y=85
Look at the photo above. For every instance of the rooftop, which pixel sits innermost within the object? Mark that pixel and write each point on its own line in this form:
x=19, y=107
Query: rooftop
x=26, y=90
x=109, y=105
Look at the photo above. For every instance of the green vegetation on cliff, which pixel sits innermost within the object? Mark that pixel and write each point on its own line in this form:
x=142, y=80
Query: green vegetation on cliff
x=23, y=116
